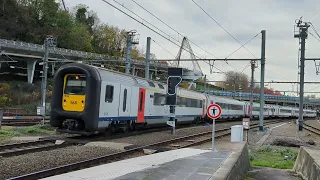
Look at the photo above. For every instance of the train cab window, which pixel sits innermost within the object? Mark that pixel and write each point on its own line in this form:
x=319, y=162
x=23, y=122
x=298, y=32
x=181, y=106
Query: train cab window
x=109, y=94
x=75, y=85
x=124, y=106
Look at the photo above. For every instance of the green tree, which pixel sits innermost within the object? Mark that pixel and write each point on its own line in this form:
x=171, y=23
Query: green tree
x=5, y=93
x=80, y=38
x=84, y=16
x=108, y=39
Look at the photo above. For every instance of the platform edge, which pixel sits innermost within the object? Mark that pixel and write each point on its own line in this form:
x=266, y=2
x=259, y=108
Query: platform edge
x=235, y=166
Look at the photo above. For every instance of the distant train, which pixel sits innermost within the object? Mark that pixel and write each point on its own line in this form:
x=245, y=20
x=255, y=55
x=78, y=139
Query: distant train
x=88, y=99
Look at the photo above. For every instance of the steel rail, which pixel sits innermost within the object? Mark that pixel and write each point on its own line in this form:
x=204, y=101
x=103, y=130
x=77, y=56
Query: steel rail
x=111, y=157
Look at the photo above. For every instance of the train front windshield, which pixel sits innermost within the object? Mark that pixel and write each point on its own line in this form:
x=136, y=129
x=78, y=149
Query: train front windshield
x=75, y=85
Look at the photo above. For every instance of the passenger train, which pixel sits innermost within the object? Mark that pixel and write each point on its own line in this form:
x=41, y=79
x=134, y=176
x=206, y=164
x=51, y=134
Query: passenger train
x=88, y=100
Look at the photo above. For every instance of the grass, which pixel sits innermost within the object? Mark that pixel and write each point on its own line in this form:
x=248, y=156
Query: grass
x=274, y=157
x=7, y=132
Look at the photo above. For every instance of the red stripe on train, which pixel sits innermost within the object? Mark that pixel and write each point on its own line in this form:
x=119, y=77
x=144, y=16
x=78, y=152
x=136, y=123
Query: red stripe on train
x=141, y=105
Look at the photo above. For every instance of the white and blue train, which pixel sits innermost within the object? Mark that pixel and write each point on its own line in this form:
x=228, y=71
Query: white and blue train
x=88, y=99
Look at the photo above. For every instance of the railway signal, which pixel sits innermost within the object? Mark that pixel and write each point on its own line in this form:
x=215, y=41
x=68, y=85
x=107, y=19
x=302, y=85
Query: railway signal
x=173, y=82
x=214, y=111
x=174, y=79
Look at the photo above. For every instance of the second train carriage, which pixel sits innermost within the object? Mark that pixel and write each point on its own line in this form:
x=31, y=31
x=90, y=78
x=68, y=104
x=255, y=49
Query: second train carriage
x=88, y=99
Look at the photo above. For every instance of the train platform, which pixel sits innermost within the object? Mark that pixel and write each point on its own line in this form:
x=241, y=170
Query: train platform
x=228, y=161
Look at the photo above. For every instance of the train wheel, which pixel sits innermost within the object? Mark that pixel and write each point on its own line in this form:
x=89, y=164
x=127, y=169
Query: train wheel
x=111, y=129
x=132, y=126
x=127, y=127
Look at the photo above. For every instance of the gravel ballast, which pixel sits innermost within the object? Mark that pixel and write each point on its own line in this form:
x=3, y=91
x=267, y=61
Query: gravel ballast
x=150, y=138
x=28, y=163
x=289, y=132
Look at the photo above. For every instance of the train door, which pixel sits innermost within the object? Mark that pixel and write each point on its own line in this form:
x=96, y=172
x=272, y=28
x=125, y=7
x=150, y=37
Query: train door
x=124, y=101
x=274, y=113
x=109, y=102
x=204, y=108
x=141, y=105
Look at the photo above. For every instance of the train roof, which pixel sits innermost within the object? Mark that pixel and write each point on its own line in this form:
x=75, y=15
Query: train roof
x=147, y=83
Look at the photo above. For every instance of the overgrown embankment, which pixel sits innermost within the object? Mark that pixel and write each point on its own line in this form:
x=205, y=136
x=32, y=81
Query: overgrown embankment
x=19, y=94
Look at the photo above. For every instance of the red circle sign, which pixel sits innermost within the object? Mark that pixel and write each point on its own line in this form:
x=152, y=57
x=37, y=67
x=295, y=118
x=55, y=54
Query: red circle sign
x=214, y=111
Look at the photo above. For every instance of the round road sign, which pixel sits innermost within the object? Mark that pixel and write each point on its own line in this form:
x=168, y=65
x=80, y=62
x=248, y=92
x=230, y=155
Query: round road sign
x=214, y=111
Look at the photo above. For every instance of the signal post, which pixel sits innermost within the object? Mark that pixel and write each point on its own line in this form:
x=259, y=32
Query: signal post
x=174, y=79
x=214, y=112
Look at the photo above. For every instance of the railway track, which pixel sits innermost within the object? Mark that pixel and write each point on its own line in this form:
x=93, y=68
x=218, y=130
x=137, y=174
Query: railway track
x=100, y=137
x=181, y=142
x=311, y=129
x=22, y=122
x=8, y=150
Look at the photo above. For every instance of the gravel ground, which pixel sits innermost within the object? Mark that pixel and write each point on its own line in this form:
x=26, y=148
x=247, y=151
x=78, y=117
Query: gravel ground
x=313, y=123
x=149, y=138
x=289, y=131
x=254, y=137
x=28, y=163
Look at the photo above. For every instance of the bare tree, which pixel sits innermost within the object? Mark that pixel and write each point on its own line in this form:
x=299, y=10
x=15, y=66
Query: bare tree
x=236, y=81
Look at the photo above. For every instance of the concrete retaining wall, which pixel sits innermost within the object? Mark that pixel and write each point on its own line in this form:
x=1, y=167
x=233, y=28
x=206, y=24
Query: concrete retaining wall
x=307, y=164
x=236, y=166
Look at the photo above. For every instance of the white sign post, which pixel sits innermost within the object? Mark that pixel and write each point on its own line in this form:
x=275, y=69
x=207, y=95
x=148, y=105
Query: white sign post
x=246, y=126
x=213, y=111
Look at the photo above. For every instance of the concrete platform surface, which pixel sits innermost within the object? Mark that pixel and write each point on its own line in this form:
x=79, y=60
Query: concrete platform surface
x=120, y=168
x=307, y=164
x=186, y=163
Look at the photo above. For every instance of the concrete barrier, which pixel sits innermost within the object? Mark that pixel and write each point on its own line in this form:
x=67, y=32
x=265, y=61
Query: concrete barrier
x=236, y=166
x=307, y=164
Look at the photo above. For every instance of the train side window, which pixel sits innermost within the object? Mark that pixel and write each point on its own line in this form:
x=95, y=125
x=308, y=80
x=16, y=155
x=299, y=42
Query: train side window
x=159, y=99
x=141, y=98
x=151, y=84
x=124, y=106
x=109, y=94
x=160, y=86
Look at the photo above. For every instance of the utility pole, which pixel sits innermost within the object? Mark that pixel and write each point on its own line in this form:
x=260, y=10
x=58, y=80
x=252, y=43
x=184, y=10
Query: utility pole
x=147, y=70
x=50, y=41
x=263, y=62
x=253, y=64
x=204, y=82
x=303, y=34
x=130, y=41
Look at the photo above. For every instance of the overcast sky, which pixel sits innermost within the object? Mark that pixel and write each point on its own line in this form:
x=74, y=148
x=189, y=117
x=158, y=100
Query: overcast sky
x=243, y=19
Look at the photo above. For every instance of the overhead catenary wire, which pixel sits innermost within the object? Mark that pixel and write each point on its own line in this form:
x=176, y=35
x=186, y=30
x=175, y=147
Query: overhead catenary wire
x=189, y=39
x=154, y=30
x=221, y=26
x=170, y=39
x=171, y=27
x=144, y=19
x=163, y=48
x=242, y=45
